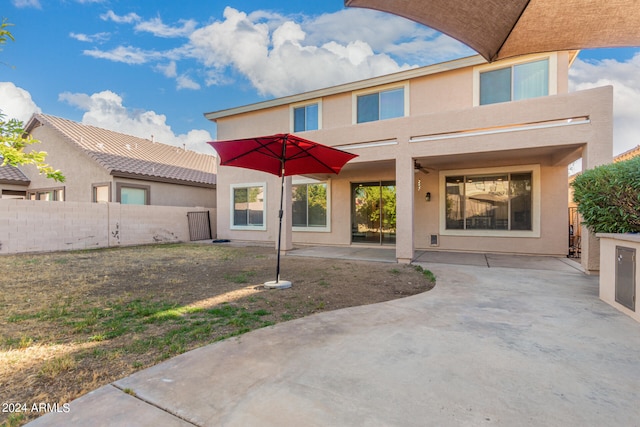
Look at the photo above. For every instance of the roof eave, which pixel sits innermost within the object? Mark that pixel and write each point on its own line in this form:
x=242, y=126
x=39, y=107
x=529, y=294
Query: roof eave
x=349, y=87
x=151, y=178
x=15, y=182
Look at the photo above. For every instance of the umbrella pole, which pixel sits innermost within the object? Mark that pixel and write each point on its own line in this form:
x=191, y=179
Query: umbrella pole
x=280, y=214
x=277, y=284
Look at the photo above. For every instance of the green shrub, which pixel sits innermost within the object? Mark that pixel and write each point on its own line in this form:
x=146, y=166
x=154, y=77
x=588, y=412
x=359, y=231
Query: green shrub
x=608, y=197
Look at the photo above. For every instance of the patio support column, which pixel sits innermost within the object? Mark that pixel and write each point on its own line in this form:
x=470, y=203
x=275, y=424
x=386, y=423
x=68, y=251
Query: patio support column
x=404, y=207
x=598, y=151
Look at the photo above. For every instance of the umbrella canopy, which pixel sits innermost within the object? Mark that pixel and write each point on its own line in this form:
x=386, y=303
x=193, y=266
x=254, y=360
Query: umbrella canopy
x=281, y=152
x=499, y=29
x=282, y=155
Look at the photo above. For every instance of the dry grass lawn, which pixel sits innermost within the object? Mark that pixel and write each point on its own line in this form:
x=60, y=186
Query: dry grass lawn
x=71, y=322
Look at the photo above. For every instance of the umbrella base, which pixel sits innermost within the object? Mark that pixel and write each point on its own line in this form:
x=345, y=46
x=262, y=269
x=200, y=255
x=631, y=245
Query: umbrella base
x=280, y=284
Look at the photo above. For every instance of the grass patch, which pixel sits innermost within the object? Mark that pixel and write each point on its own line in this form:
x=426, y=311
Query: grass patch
x=54, y=367
x=87, y=318
x=240, y=278
x=428, y=274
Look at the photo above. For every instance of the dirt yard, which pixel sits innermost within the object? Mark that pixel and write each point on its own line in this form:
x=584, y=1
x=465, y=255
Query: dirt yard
x=74, y=321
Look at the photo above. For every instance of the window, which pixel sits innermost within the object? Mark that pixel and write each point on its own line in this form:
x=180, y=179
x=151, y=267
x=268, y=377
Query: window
x=248, y=206
x=13, y=194
x=381, y=105
x=132, y=194
x=516, y=82
x=100, y=193
x=495, y=201
x=50, y=195
x=310, y=206
x=306, y=117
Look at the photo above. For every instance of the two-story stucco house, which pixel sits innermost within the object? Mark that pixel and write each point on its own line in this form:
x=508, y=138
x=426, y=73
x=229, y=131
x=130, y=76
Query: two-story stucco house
x=458, y=156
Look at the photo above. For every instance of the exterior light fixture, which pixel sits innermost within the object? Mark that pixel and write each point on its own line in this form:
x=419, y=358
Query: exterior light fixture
x=427, y=196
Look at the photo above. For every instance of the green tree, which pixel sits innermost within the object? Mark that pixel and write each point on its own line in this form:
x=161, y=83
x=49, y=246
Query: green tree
x=13, y=139
x=4, y=33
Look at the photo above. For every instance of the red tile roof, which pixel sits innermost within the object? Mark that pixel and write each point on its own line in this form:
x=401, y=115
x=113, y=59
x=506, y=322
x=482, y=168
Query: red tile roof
x=634, y=152
x=126, y=155
x=12, y=175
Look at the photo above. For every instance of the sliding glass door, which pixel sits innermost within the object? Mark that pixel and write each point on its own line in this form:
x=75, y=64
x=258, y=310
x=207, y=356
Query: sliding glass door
x=373, y=212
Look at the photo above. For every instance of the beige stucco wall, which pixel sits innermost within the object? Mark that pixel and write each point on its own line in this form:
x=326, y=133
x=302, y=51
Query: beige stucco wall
x=11, y=187
x=167, y=194
x=530, y=132
x=608, y=261
x=79, y=169
x=37, y=226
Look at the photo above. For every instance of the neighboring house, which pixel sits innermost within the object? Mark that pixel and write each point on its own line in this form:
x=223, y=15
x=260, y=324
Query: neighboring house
x=105, y=166
x=13, y=183
x=627, y=155
x=458, y=156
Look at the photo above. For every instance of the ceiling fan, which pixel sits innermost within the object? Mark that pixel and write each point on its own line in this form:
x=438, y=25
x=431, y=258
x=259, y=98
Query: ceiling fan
x=417, y=167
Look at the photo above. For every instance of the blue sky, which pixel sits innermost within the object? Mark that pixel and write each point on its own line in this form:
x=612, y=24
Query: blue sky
x=154, y=67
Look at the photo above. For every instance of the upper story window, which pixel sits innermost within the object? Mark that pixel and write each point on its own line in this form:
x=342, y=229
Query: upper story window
x=515, y=82
x=305, y=118
x=381, y=105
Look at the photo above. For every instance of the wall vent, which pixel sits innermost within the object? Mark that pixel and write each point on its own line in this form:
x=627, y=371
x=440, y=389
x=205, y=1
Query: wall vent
x=434, y=240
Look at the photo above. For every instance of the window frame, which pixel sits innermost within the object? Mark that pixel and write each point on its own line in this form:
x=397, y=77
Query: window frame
x=379, y=89
x=232, y=188
x=147, y=188
x=34, y=194
x=534, y=169
x=100, y=184
x=304, y=104
x=327, y=227
x=553, y=73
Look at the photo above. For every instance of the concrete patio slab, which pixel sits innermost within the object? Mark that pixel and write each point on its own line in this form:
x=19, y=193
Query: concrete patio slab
x=109, y=406
x=487, y=346
x=359, y=253
x=388, y=254
x=457, y=258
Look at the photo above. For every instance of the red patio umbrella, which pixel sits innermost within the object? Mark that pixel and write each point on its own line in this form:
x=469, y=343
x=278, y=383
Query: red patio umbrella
x=282, y=155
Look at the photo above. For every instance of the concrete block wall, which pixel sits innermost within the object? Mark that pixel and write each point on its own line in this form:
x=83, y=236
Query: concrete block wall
x=39, y=226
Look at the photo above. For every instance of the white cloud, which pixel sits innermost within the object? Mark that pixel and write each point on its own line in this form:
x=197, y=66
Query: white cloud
x=156, y=27
x=280, y=55
x=27, y=3
x=623, y=76
x=124, y=19
x=276, y=59
x=185, y=82
x=126, y=54
x=169, y=70
x=384, y=32
x=106, y=110
x=16, y=103
x=90, y=38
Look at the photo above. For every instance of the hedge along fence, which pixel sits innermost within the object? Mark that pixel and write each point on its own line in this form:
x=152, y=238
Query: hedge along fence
x=608, y=197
